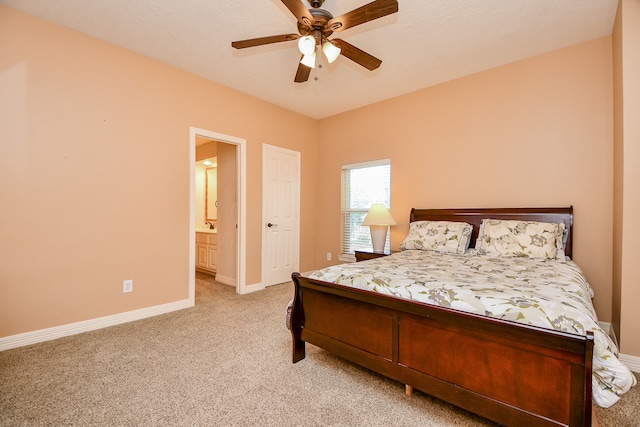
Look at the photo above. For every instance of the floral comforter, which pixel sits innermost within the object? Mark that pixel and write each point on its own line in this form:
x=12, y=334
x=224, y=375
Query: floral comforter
x=546, y=293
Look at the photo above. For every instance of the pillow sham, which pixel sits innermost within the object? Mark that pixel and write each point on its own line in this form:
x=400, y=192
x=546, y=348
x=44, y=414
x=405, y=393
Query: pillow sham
x=441, y=236
x=521, y=238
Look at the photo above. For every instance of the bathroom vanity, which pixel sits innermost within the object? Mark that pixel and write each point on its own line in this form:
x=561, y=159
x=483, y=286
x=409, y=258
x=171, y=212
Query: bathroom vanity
x=206, y=245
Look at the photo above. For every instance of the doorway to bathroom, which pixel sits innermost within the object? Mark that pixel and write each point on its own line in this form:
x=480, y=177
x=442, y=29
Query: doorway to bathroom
x=217, y=207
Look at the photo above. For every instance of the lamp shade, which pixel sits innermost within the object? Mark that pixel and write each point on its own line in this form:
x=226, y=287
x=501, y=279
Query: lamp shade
x=331, y=51
x=309, y=60
x=378, y=219
x=306, y=45
x=378, y=215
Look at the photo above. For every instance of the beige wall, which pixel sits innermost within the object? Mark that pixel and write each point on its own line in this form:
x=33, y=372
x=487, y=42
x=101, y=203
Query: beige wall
x=533, y=133
x=618, y=162
x=94, y=166
x=200, y=189
x=627, y=178
x=206, y=150
x=94, y=174
x=227, y=213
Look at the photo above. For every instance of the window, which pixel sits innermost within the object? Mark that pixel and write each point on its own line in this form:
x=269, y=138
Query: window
x=363, y=184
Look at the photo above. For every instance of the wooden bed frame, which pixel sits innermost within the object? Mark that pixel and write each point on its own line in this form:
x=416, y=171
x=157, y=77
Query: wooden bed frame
x=511, y=373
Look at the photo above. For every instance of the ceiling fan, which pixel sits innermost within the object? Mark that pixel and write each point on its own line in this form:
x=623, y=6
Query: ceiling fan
x=316, y=25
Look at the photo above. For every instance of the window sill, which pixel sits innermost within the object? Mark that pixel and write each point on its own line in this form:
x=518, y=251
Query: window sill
x=347, y=258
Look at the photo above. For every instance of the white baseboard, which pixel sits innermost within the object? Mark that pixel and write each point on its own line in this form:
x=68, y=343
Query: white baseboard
x=226, y=280
x=606, y=326
x=631, y=362
x=29, y=338
x=252, y=288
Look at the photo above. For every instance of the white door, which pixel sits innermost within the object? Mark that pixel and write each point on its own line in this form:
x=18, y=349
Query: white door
x=281, y=212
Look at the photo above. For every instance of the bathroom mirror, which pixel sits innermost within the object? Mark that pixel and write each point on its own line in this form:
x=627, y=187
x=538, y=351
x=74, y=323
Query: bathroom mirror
x=211, y=195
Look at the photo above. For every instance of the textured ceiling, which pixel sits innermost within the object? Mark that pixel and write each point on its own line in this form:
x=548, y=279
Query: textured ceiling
x=427, y=42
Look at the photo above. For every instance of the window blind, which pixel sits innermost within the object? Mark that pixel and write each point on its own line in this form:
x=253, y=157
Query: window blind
x=363, y=184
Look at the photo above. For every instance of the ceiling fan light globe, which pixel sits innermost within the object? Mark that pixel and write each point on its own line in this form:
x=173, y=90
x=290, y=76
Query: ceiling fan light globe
x=307, y=45
x=331, y=51
x=309, y=60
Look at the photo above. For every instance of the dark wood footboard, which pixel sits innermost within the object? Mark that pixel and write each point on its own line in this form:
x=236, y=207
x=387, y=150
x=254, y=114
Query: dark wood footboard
x=510, y=373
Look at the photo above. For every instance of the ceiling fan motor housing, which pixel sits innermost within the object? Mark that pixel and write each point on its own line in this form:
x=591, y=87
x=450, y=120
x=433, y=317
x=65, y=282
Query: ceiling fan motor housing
x=321, y=17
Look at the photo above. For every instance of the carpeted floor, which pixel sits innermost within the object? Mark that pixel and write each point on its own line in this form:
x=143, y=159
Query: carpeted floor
x=224, y=362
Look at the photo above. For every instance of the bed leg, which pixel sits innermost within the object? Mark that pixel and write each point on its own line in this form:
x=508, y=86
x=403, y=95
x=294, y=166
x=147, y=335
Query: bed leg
x=297, y=320
x=408, y=389
x=298, y=350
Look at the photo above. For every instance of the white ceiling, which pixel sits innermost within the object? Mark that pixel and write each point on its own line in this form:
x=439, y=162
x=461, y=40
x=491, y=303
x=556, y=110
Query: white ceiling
x=427, y=42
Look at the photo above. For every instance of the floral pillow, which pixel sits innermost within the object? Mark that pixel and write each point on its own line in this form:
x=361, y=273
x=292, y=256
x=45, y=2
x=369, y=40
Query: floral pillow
x=442, y=236
x=521, y=238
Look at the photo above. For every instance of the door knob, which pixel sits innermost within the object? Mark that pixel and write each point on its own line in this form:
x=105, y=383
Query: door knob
x=271, y=225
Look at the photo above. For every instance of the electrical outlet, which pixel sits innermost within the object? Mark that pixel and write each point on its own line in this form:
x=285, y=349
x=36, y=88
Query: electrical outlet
x=328, y=256
x=127, y=286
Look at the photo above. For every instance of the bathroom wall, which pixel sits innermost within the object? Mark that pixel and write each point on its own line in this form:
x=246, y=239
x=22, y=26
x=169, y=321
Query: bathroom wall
x=227, y=214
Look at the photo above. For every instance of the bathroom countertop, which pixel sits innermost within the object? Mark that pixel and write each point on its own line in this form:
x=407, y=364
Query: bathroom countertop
x=207, y=230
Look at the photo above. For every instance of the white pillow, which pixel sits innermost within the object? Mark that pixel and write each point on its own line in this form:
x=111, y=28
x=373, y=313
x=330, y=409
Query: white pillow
x=441, y=236
x=521, y=238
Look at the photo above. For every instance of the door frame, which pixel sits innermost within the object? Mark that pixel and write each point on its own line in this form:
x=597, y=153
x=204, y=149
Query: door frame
x=297, y=154
x=241, y=162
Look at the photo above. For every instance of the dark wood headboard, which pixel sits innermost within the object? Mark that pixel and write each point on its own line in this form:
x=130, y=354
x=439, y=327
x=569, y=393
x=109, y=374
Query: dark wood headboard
x=475, y=217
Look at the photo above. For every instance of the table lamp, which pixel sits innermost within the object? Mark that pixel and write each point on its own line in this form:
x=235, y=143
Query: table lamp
x=378, y=219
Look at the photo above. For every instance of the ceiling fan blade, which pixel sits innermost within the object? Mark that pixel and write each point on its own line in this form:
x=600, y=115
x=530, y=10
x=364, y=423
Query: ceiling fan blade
x=358, y=56
x=264, y=40
x=302, y=74
x=368, y=12
x=301, y=13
